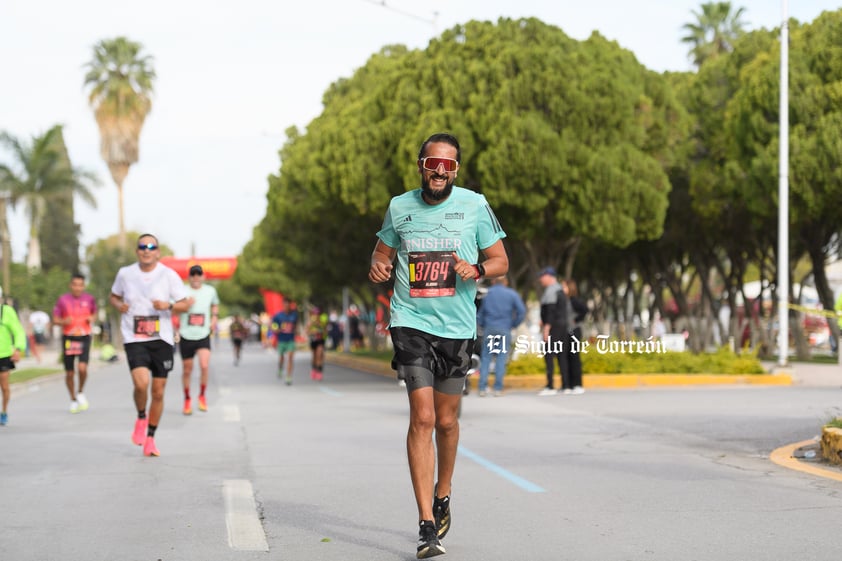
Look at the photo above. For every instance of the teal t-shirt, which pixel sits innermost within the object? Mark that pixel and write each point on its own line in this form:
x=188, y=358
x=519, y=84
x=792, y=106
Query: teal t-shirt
x=429, y=295
x=196, y=322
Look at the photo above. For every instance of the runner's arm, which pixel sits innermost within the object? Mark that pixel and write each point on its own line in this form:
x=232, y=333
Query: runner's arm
x=118, y=302
x=496, y=260
x=381, y=262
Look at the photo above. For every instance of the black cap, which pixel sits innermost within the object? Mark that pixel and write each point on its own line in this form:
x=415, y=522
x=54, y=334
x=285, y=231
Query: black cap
x=196, y=270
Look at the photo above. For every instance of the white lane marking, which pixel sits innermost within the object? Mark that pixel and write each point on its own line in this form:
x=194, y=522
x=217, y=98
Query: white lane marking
x=224, y=391
x=330, y=391
x=244, y=529
x=231, y=413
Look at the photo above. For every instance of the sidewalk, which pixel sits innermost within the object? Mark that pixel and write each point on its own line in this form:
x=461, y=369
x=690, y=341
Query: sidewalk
x=810, y=374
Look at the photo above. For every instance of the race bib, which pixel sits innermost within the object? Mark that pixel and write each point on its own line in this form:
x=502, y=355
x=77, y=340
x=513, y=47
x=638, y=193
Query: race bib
x=431, y=274
x=197, y=320
x=73, y=348
x=147, y=326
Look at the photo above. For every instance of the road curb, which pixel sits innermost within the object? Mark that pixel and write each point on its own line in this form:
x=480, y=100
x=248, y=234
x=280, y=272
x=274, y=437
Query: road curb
x=536, y=382
x=783, y=457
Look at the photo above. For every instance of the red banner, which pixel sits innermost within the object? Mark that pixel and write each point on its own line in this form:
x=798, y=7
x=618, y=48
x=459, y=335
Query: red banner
x=214, y=267
x=273, y=301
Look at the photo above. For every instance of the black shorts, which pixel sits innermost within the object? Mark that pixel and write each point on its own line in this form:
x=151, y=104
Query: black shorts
x=316, y=343
x=73, y=347
x=6, y=364
x=188, y=347
x=237, y=342
x=155, y=355
x=423, y=360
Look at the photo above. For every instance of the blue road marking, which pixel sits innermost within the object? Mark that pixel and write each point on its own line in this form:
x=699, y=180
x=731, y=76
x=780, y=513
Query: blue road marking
x=502, y=472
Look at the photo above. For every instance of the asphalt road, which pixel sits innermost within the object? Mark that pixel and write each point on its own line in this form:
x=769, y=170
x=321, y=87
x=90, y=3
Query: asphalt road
x=317, y=471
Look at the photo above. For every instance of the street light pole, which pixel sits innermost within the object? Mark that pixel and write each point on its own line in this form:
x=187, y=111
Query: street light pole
x=783, y=197
x=5, y=245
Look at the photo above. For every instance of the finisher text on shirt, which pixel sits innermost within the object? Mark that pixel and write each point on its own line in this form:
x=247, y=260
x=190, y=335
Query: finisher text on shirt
x=431, y=243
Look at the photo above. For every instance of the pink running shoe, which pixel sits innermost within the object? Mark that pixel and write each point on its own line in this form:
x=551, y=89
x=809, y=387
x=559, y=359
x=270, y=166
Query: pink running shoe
x=139, y=434
x=149, y=448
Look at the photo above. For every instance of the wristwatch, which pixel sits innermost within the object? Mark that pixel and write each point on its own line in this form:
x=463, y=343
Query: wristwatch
x=480, y=270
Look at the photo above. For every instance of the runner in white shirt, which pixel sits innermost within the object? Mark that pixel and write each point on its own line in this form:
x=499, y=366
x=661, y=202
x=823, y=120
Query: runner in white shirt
x=147, y=293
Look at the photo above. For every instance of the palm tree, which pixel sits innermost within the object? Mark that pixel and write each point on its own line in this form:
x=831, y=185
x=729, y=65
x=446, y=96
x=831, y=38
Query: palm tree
x=41, y=171
x=120, y=82
x=714, y=32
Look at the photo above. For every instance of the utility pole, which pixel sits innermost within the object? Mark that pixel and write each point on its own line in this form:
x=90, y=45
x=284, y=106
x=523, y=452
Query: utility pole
x=783, y=197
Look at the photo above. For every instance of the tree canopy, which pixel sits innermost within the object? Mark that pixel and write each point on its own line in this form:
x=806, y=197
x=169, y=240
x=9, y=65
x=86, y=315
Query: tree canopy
x=567, y=139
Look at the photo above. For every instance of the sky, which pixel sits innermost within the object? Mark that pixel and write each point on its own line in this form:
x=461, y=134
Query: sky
x=232, y=78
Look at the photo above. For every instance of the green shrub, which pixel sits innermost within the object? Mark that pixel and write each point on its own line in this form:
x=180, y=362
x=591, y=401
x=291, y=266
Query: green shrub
x=723, y=361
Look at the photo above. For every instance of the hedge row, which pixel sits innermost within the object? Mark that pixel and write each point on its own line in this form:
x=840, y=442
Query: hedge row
x=723, y=361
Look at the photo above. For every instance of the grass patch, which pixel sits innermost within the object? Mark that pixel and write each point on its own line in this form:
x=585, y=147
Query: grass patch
x=26, y=374
x=835, y=423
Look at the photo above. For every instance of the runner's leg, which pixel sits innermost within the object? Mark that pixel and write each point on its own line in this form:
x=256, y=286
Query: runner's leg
x=420, y=450
x=140, y=379
x=447, y=438
x=4, y=387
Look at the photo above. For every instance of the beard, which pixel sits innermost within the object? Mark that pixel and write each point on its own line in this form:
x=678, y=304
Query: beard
x=431, y=195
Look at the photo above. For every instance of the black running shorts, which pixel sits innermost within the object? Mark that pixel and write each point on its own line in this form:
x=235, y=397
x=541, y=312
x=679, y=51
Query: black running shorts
x=155, y=355
x=188, y=347
x=73, y=347
x=423, y=360
x=6, y=364
x=316, y=343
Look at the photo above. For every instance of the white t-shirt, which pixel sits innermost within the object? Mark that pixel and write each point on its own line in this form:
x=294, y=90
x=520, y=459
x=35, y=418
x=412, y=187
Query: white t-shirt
x=137, y=288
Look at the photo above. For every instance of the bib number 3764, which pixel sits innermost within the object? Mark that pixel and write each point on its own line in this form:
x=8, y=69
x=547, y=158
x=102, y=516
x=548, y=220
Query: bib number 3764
x=431, y=274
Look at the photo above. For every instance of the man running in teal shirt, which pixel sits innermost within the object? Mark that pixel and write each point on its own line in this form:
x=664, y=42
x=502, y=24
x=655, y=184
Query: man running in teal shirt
x=436, y=233
x=196, y=327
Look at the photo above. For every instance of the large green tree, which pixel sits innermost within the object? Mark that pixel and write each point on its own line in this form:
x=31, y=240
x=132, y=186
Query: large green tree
x=120, y=79
x=59, y=233
x=567, y=140
x=815, y=139
x=40, y=172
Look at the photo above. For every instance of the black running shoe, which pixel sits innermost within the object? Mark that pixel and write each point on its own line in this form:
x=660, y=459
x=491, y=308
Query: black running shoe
x=441, y=511
x=428, y=542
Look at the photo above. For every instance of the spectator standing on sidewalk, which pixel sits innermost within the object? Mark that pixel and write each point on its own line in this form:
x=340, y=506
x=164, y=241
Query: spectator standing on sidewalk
x=435, y=236
x=502, y=310
x=555, y=327
x=75, y=312
x=147, y=294
x=574, y=359
x=12, y=348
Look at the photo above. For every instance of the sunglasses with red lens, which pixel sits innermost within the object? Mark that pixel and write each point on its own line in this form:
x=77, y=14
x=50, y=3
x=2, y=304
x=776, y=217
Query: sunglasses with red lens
x=432, y=164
